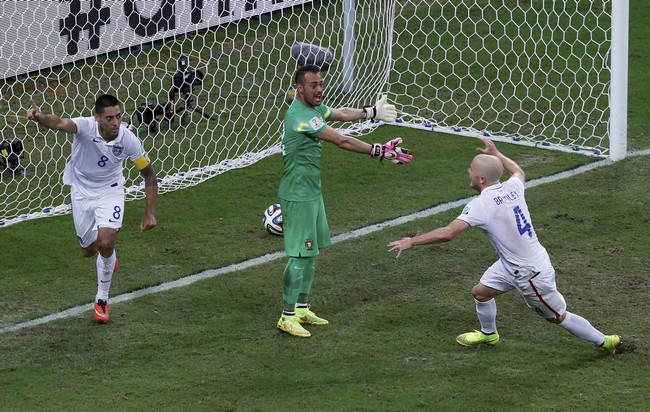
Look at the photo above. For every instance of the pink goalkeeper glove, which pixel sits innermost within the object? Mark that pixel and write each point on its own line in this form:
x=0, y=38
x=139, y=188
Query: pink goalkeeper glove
x=390, y=151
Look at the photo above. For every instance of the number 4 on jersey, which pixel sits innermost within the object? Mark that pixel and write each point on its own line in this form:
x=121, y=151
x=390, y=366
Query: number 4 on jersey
x=522, y=223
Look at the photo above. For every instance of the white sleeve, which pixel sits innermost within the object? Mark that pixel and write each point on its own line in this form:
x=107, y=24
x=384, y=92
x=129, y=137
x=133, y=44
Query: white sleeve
x=84, y=125
x=474, y=213
x=518, y=183
x=133, y=146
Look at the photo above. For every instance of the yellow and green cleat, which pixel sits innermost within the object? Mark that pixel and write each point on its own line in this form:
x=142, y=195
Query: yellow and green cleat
x=307, y=317
x=478, y=338
x=610, y=344
x=291, y=325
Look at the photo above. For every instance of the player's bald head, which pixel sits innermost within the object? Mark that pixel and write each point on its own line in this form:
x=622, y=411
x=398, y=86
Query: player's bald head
x=488, y=166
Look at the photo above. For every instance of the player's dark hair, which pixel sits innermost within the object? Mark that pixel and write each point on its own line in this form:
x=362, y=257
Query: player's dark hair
x=307, y=68
x=104, y=101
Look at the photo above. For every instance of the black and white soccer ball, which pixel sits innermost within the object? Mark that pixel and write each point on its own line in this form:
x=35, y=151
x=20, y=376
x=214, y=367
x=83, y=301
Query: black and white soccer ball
x=272, y=219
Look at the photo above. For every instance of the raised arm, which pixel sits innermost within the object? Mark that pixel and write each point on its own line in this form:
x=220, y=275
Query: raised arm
x=510, y=165
x=50, y=121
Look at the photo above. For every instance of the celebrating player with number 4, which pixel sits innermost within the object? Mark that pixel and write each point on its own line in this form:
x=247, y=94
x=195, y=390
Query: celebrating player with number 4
x=523, y=265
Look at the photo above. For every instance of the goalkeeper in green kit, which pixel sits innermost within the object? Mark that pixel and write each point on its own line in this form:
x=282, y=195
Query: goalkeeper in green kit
x=303, y=212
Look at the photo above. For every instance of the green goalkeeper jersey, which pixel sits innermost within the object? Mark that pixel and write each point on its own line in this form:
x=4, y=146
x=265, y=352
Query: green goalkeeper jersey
x=301, y=152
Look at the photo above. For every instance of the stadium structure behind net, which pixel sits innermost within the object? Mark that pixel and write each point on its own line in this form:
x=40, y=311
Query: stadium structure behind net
x=543, y=73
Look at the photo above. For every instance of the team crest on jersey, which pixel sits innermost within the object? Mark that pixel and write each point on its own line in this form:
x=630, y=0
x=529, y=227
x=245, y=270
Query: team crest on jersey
x=316, y=122
x=309, y=244
x=466, y=210
x=117, y=150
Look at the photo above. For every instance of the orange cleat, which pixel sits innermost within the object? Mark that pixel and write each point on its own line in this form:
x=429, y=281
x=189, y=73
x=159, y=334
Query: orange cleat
x=101, y=311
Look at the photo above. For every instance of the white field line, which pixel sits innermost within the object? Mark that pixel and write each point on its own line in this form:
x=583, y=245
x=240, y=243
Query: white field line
x=207, y=274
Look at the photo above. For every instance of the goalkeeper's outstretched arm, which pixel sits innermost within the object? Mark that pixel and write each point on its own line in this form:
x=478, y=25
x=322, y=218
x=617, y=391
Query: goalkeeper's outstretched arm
x=381, y=110
x=344, y=142
x=389, y=151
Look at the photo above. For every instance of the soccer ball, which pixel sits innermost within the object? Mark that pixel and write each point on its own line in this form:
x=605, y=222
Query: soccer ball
x=272, y=219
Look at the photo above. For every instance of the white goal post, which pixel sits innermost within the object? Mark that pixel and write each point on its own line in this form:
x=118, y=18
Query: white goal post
x=545, y=73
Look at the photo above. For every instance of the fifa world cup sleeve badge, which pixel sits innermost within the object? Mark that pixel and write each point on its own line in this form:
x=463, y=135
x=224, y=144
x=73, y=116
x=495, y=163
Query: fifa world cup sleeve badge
x=316, y=122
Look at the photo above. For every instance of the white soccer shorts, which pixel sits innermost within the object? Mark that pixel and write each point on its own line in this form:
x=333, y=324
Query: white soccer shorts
x=537, y=288
x=89, y=214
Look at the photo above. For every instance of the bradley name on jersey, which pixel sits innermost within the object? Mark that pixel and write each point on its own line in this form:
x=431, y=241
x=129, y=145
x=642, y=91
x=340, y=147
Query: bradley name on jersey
x=506, y=198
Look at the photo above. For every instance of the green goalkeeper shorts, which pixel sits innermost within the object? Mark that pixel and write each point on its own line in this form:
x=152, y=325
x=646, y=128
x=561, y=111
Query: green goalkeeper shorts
x=305, y=227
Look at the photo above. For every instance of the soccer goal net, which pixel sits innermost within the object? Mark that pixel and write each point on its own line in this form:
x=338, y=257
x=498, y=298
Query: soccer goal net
x=205, y=83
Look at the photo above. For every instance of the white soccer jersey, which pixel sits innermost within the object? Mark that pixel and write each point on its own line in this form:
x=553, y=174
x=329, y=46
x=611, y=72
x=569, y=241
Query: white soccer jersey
x=502, y=212
x=95, y=165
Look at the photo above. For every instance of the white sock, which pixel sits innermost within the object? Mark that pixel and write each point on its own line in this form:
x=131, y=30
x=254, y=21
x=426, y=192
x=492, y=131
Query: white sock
x=487, y=315
x=105, y=268
x=581, y=328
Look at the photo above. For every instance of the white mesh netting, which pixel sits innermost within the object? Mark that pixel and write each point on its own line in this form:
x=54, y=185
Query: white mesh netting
x=533, y=72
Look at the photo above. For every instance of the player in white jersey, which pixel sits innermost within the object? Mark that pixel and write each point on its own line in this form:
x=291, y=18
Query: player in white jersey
x=94, y=173
x=523, y=264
